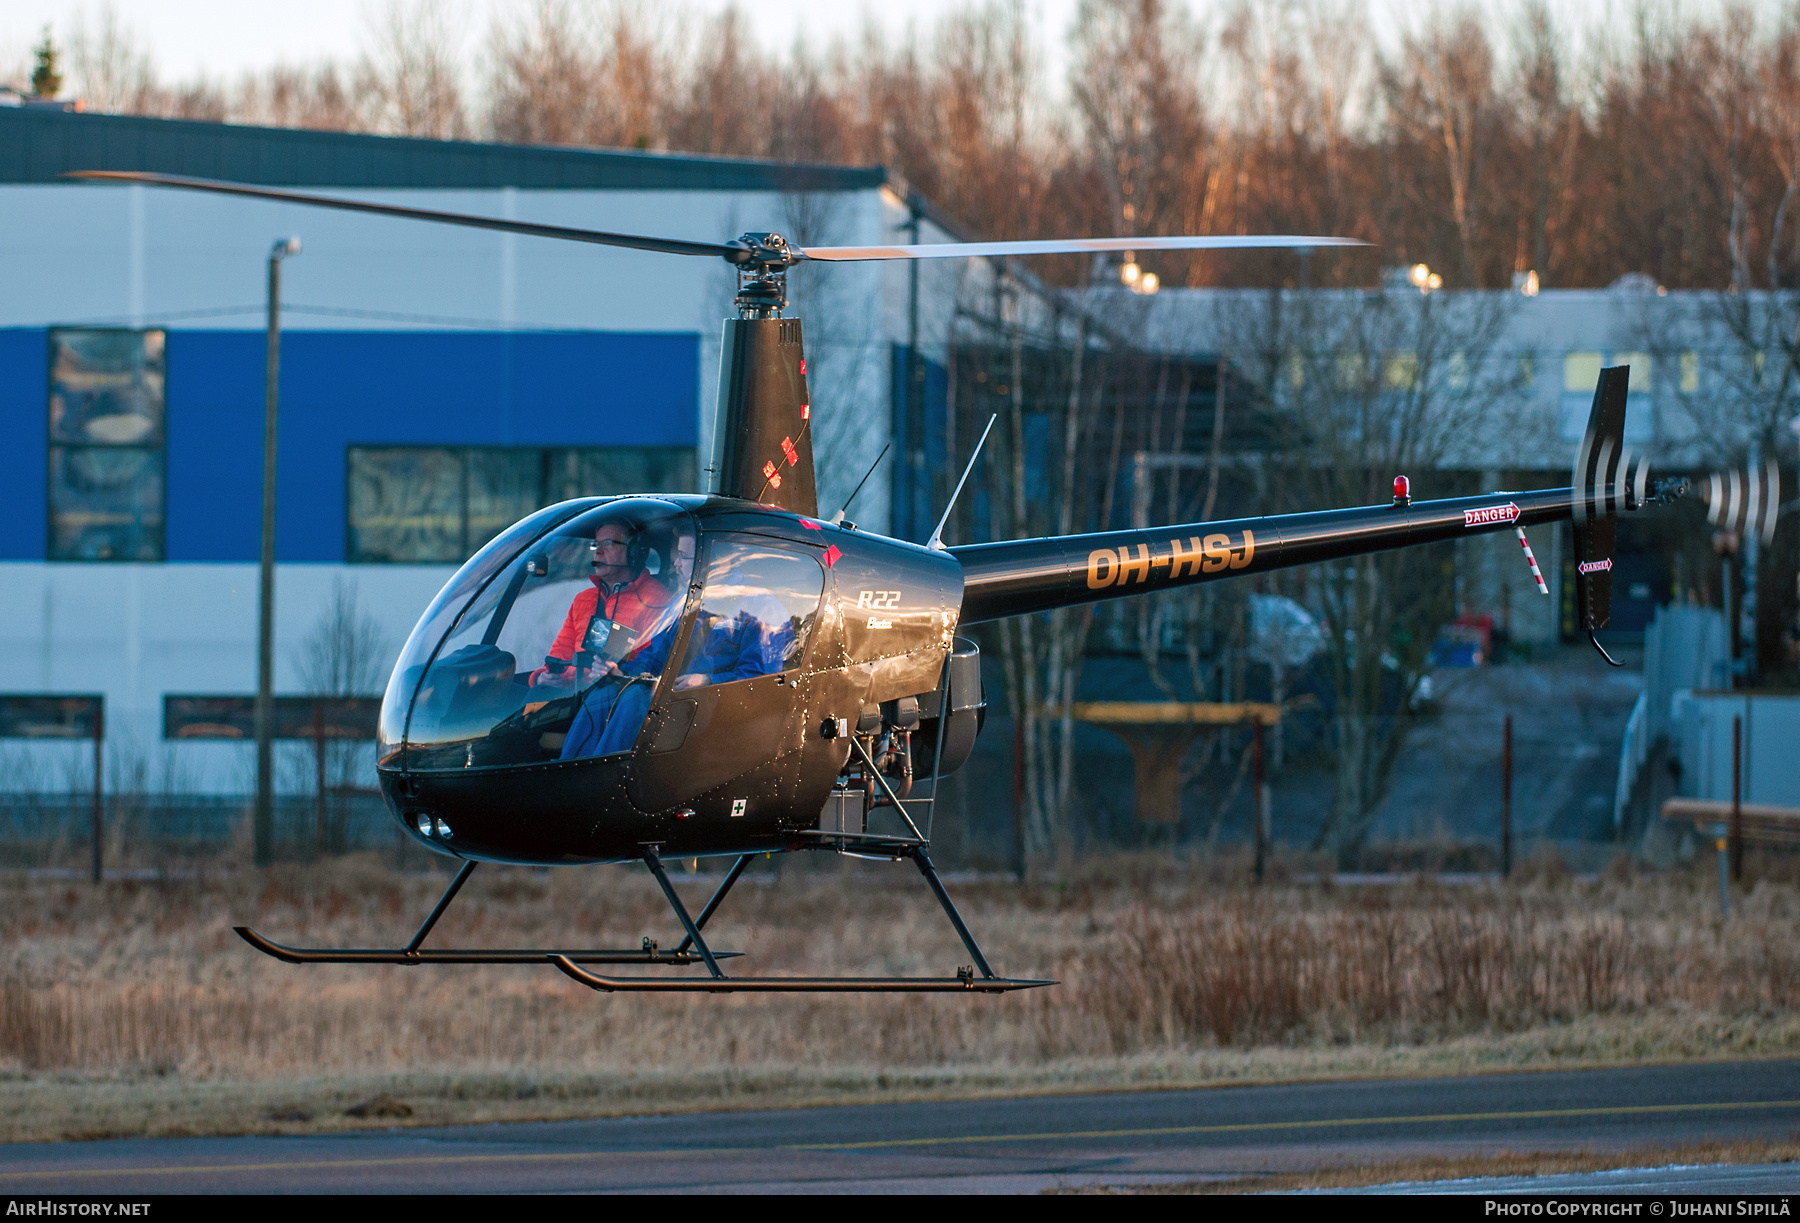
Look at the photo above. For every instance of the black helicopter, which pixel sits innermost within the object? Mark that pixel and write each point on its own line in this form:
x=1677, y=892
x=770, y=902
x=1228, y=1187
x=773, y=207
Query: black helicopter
x=620, y=679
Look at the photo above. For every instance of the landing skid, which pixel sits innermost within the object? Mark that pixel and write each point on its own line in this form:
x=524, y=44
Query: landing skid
x=716, y=982
x=414, y=953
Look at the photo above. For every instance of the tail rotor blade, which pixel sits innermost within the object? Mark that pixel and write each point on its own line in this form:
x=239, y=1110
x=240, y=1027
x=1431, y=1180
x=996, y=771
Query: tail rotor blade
x=1771, y=500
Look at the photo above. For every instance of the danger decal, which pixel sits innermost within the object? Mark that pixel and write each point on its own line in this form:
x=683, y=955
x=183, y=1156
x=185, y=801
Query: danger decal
x=1490, y=514
x=1134, y=565
x=1601, y=566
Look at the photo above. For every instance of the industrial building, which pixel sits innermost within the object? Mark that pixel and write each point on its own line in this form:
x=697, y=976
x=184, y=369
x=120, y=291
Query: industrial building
x=436, y=383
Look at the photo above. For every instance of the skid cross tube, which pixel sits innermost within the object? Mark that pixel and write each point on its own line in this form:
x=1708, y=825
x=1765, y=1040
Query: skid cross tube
x=718, y=896
x=654, y=861
x=462, y=877
x=922, y=860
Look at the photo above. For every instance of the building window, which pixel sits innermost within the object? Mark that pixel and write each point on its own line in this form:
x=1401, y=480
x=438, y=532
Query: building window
x=106, y=445
x=296, y=717
x=1581, y=371
x=1581, y=374
x=436, y=505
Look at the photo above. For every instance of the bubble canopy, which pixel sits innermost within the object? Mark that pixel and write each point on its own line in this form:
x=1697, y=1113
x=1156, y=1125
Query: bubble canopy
x=547, y=644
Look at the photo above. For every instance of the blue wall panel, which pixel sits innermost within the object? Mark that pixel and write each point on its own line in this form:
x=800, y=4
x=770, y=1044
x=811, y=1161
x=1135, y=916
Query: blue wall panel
x=24, y=442
x=340, y=389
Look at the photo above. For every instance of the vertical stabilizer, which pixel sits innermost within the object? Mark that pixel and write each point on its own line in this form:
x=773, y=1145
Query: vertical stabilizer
x=763, y=440
x=1600, y=493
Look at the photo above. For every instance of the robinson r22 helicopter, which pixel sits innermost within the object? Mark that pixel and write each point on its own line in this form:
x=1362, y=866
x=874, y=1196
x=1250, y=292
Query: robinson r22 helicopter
x=619, y=679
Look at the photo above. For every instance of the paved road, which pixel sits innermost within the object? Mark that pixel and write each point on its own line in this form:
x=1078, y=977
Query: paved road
x=997, y=1146
x=1712, y=1180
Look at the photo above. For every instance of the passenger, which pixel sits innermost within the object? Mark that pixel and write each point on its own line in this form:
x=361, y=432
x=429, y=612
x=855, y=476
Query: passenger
x=755, y=639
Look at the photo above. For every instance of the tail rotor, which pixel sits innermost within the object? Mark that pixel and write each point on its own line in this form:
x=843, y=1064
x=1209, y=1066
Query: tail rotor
x=1606, y=479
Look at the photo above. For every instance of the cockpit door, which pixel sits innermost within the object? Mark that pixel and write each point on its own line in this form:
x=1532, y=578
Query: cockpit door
x=733, y=701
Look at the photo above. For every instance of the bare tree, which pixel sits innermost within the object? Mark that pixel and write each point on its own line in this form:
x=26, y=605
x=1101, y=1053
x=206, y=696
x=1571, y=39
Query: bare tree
x=1441, y=91
x=411, y=75
x=342, y=653
x=112, y=70
x=340, y=656
x=1367, y=386
x=1134, y=85
x=1553, y=125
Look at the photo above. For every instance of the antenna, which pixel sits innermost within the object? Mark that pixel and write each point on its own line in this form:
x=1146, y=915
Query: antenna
x=838, y=518
x=937, y=544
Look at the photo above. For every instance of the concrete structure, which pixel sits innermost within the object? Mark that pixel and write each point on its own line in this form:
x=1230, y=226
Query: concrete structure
x=1768, y=727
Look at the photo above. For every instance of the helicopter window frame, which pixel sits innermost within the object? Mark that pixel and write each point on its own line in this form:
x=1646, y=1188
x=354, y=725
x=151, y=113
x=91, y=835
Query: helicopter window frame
x=558, y=473
x=67, y=448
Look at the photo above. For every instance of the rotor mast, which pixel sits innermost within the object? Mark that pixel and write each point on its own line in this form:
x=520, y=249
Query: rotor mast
x=762, y=449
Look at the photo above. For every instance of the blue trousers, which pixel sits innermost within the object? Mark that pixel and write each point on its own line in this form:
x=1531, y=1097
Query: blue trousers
x=607, y=721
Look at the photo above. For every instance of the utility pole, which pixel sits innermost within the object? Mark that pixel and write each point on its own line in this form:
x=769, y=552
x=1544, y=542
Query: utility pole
x=99, y=785
x=264, y=825
x=1737, y=800
x=913, y=456
x=1261, y=813
x=1506, y=798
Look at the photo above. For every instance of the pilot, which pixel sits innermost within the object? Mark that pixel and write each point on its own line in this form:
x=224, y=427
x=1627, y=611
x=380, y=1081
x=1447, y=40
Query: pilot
x=623, y=592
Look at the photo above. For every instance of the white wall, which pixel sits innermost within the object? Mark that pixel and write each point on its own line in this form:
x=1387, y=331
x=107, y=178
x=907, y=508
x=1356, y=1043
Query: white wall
x=136, y=632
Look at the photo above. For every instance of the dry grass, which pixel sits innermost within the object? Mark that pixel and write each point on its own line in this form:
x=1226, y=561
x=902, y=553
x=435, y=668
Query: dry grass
x=134, y=1009
x=1464, y=1167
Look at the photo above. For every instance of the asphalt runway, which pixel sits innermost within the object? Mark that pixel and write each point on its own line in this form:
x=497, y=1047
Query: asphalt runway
x=974, y=1146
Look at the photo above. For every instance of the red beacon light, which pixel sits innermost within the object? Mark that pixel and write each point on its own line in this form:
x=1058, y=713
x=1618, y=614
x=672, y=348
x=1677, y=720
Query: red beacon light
x=1402, y=491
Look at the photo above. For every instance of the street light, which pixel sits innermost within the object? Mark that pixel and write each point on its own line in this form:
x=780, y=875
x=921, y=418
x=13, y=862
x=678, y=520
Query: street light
x=264, y=826
x=1135, y=278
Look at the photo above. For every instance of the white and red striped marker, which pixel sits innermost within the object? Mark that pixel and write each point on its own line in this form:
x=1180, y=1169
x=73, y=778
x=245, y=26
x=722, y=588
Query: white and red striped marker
x=1532, y=561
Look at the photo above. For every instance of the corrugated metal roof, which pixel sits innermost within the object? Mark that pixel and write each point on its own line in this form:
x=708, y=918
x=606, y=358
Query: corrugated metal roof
x=38, y=146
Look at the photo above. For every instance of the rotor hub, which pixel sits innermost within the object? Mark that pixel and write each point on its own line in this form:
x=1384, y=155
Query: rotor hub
x=762, y=269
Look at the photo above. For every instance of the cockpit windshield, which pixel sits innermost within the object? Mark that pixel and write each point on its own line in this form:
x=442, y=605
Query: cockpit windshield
x=558, y=654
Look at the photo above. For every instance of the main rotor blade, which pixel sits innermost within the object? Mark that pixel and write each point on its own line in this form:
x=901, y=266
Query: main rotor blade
x=1069, y=246
x=666, y=246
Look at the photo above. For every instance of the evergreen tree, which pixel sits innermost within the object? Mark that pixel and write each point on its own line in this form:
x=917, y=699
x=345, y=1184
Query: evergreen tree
x=46, y=81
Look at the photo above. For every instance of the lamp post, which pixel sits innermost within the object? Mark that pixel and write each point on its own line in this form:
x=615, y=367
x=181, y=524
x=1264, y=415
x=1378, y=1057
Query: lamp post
x=264, y=827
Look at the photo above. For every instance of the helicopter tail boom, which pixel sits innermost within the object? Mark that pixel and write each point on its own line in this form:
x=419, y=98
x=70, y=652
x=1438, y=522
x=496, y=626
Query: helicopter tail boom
x=1033, y=575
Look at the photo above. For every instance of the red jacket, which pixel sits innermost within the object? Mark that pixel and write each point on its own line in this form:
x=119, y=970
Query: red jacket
x=636, y=605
